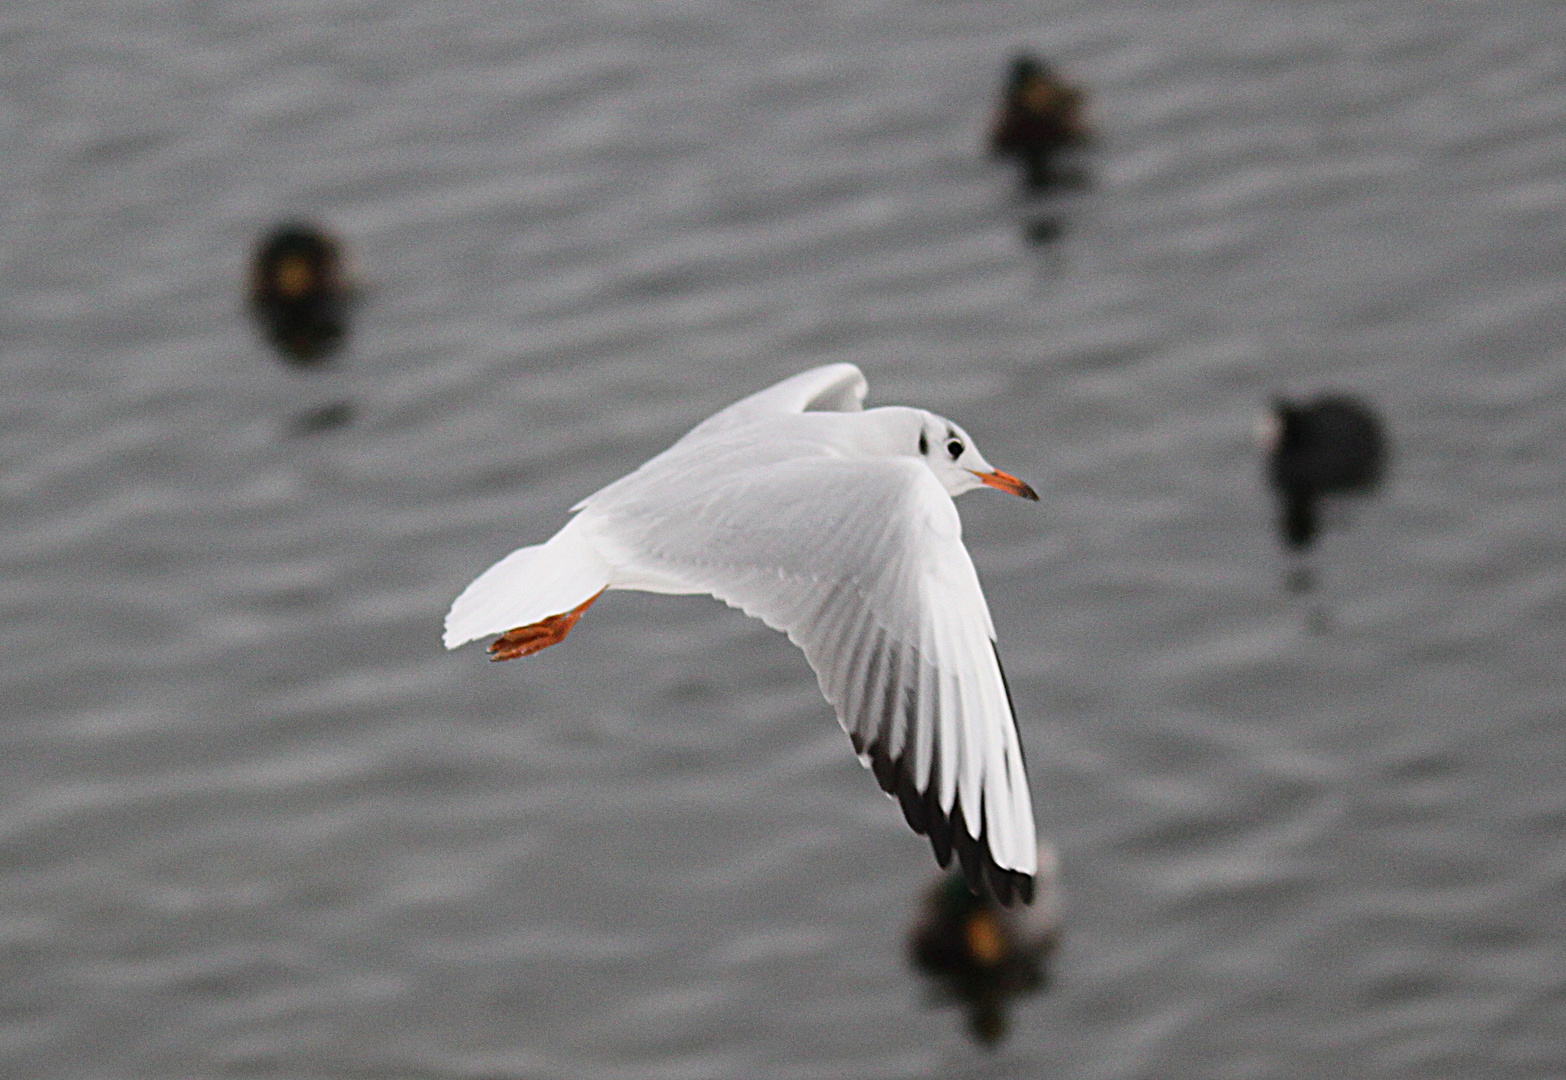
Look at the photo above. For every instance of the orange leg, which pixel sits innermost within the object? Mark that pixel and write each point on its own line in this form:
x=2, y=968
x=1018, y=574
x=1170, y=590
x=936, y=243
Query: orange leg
x=527, y=640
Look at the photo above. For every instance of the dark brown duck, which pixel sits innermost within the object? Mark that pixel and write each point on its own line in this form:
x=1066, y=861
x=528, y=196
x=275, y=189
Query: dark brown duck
x=299, y=295
x=981, y=955
x=1039, y=116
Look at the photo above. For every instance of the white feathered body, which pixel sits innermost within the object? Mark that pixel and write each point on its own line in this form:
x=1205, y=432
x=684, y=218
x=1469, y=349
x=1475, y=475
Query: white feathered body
x=828, y=526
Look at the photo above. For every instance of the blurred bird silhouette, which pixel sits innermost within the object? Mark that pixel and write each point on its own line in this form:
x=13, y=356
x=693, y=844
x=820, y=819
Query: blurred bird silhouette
x=299, y=293
x=1334, y=445
x=980, y=955
x=1039, y=116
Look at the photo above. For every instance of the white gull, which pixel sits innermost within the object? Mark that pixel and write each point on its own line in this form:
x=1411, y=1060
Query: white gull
x=837, y=527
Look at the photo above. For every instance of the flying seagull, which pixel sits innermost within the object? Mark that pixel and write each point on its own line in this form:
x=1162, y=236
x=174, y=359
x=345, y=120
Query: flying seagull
x=837, y=527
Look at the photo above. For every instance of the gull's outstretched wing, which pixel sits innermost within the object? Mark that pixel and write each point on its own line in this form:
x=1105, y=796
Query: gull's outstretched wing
x=832, y=388
x=861, y=563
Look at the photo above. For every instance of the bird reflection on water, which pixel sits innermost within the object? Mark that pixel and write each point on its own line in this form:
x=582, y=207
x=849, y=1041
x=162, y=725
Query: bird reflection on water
x=328, y=417
x=979, y=955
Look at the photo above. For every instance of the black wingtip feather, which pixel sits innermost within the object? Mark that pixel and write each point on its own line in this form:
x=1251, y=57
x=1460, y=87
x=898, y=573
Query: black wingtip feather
x=1010, y=704
x=968, y=856
x=911, y=801
x=948, y=833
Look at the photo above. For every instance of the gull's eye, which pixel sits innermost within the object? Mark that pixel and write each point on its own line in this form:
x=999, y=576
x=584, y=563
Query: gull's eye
x=924, y=444
x=954, y=448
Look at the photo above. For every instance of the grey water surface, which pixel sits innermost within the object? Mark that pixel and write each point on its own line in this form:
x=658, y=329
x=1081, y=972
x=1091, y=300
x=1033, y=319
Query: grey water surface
x=255, y=822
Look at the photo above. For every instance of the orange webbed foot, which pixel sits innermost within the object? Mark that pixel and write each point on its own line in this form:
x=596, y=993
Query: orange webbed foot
x=535, y=637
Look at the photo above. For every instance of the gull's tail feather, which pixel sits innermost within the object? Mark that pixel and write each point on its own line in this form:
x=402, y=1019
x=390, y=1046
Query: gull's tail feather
x=527, y=586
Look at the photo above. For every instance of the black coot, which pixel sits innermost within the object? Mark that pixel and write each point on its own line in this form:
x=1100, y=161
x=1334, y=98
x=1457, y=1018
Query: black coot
x=299, y=294
x=1334, y=445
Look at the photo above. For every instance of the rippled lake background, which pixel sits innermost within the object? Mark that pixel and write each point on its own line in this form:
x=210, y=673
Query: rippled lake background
x=255, y=822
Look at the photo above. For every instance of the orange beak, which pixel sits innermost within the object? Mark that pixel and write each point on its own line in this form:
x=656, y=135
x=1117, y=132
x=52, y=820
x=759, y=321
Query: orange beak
x=1008, y=482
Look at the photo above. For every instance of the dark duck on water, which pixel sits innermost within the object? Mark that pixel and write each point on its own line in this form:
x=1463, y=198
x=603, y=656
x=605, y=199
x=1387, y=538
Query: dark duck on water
x=299, y=294
x=980, y=955
x=1334, y=445
x=1039, y=116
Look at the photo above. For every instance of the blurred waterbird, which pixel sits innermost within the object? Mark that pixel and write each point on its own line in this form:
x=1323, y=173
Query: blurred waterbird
x=1038, y=117
x=1334, y=445
x=837, y=527
x=979, y=955
x=299, y=294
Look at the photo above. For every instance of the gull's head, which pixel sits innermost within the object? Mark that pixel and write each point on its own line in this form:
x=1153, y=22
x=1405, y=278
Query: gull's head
x=957, y=463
